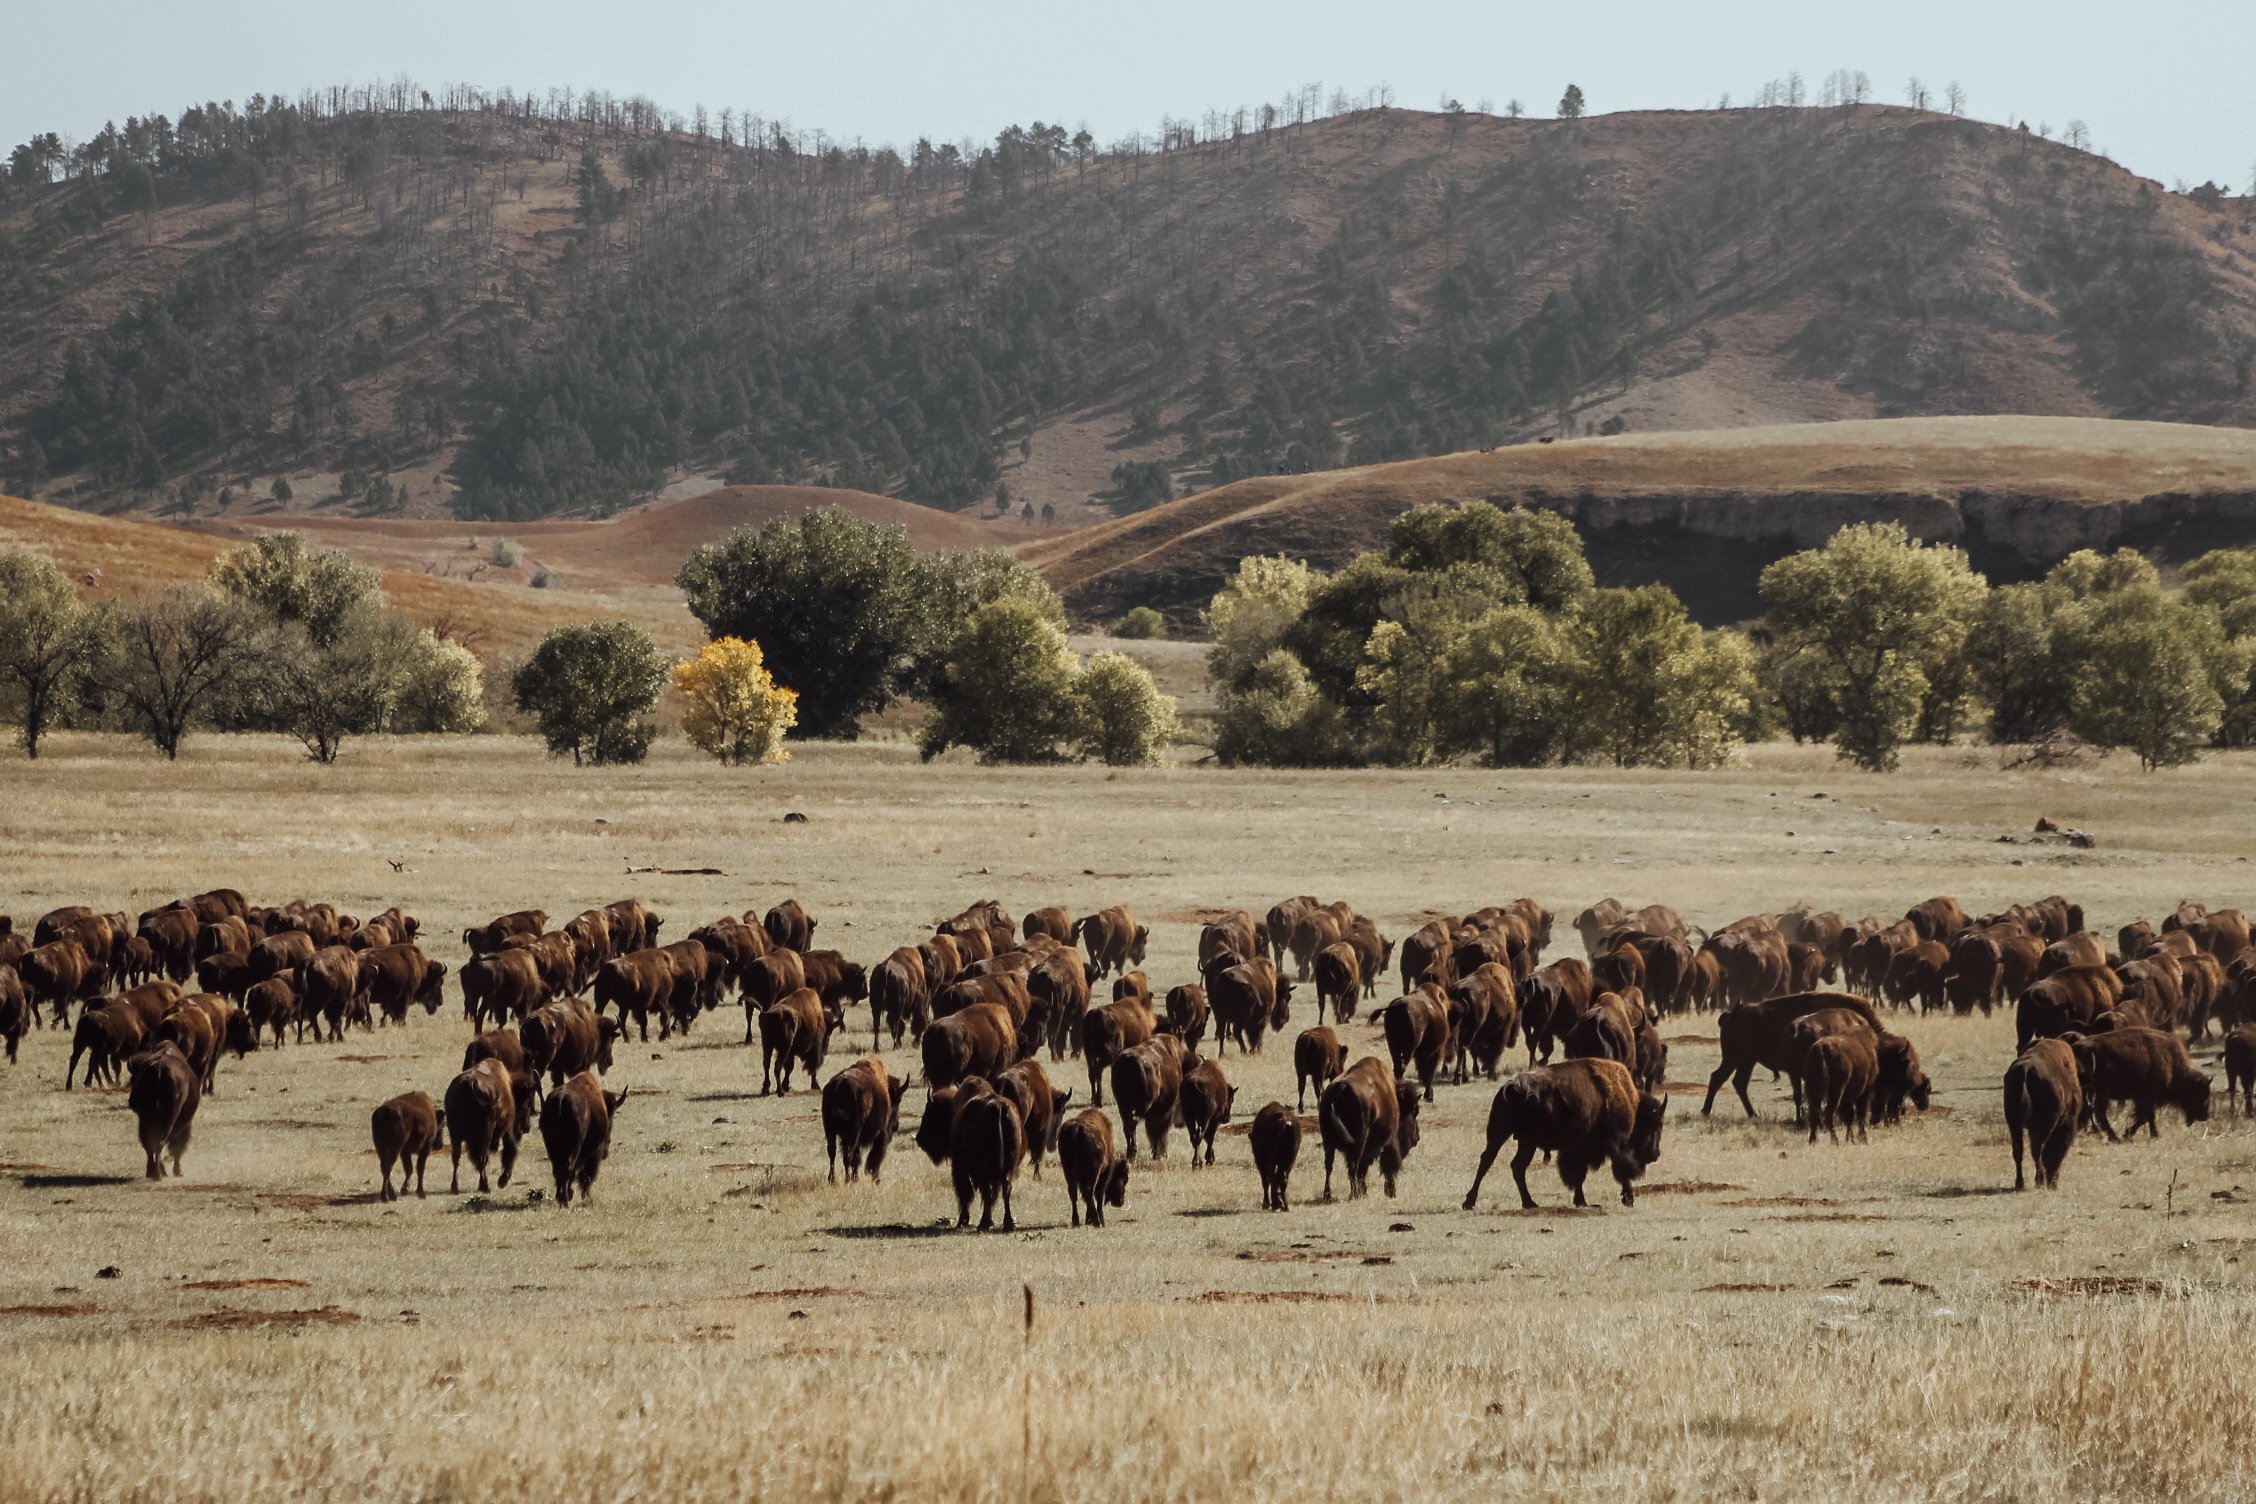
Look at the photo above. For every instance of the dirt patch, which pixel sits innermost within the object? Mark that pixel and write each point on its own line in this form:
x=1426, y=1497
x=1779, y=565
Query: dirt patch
x=811, y=1292
x=74, y=1308
x=237, y=1318
x=1742, y=1289
x=364, y=1059
x=1302, y=1255
x=1830, y=1217
x=1897, y=1281
x=1688, y=1188
x=247, y=1284
x=1693, y=1039
x=1784, y=1201
x=25, y=1168
x=2095, y=1284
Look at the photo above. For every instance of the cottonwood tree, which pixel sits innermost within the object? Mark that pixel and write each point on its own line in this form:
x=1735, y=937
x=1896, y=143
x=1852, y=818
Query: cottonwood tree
x=735, y=711
x=1122, y=720
x=48, y=641
x=590, y=687
x=2148, y=676
x=1879, y=610
x=1007, y=687
x=172, y=655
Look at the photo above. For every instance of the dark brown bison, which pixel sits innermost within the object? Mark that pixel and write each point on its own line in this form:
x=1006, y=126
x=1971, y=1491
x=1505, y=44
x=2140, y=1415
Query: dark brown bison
x=108, y=1036
x=2144, y=1067
x=395, y=976
x=1839, y=1072
x=1417, y=1033
x=2240, y=1068
x=1058, y=988
x=56, y=973
x=979, y=1041
x=632, y=925
x=1588, y=1112
x=1132, y=986
x=1276, y=1145
x=1975, y=975
x=1052, y=921
x=1109, y=1031
x=1187, y=1013
x=986, y=1145
x=503, y=1045
x=1318, y=1056
x=1339, y=980
x=164, y=1091
x=486, y=938
x=171, y=933
x=501, y=985
x=861, y=1111
x=1427, y=949
x=199, y=1032
x=768, y=979
x=282, y=953
x=1901, y=1080
x=1111, y=939
x=1367, y=1117
x=482, y=1117
x=1039, y=1106
x=1937, y=918
x=795, y=1031
x=641, y=983
x=1096, y=1176
x=566, y=1038
x=406, y=1130
x=2044, y=1100
x=900, y=996
x=789, y=926
x=1146, y=1081
x=1484, y=1018
x=228, y=974
x=1204, y=1101
x=576, y=1130
x=1234, y=934
x=15, y=1010
x=1761, y=1034
x=329, y=987
x=1249, y=999
x=1552, y=1000
x=2067, y=1000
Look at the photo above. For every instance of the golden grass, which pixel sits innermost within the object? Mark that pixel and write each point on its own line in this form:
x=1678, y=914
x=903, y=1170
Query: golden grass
x=1770, y=1320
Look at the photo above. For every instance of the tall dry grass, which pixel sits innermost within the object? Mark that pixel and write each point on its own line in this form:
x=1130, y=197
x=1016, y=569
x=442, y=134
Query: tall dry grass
x=1771, y=1320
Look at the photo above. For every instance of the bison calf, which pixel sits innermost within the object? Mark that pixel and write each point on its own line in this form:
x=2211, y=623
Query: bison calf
x=406, y=1130
x=1276, y=1144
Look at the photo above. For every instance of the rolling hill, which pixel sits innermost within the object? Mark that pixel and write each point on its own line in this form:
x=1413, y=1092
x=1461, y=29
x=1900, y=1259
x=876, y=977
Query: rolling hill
x=494, y=308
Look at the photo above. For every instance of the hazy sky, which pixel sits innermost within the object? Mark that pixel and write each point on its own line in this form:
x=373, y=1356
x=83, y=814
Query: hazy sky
x=2163, y=84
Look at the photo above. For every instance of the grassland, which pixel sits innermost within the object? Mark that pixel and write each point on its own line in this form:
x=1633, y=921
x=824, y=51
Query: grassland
x=1771, y=1320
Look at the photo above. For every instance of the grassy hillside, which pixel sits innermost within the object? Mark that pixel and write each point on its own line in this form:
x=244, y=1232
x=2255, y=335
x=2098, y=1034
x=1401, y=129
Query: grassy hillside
x=511, y=311
x=1706, y=511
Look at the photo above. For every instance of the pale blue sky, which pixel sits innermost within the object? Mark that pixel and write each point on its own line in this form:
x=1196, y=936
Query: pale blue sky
x=2162, y=84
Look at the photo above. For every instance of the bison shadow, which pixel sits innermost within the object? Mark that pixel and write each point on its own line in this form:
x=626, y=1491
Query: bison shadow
x=1954, y=1192
x=1216, y=1211
x=944, y=1229
x=75, y=1182
x=478, y=1202
x=357, y=1198
x=724, y=1096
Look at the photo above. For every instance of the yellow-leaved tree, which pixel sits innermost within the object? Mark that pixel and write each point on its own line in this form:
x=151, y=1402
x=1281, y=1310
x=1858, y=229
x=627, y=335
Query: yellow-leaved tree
x=737, y=712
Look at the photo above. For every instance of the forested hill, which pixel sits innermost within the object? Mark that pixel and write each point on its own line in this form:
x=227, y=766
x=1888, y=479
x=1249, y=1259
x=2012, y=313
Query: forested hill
x=512, y=308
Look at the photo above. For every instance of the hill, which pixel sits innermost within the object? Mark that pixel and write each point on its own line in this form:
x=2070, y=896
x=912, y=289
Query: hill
x=512, y=309
x=1704, y=512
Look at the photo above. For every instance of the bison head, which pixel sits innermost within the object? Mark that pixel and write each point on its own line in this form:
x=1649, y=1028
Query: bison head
x=896, y=1088
x=1406, y=1117
x=2191, y=1095
x=1645, y=1138
x=429, y=994
x=607, y=1031
x=1116, y=1184
x=938, y=1123
x=1136, y=948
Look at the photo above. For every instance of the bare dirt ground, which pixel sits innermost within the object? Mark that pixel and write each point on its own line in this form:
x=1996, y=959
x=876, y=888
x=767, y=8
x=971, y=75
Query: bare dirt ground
x=1770, y=1320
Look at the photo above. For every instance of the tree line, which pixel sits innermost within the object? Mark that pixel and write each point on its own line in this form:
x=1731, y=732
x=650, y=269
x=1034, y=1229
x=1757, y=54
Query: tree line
x=1477, y=633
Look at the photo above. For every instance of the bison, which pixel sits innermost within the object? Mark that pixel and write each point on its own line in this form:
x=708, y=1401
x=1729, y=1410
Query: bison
x=861, y=1111
x=1145, y=1083
x=1204, y=1101
x=1276, y=1144
x=979, y=1041
x=164, y=1092
x=986, y=1145
x=482, y=1117
x=1367, y=1117
x=2145, y=1067
x=2044, y=1099
x=406, y=1130
x=1096, y=1176
x=575, y=1127
x=1588, y=1112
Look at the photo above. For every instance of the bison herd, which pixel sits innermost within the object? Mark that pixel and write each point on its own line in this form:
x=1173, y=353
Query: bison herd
x=980, y=999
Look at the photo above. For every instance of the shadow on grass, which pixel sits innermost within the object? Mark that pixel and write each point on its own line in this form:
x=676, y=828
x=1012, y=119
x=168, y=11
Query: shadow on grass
x=886, y=1231
x=1954, y=1192
x=76, y=1182
x=365, y=1198
x=725, y=1096
x=1216, y=1211
x=482, y=1202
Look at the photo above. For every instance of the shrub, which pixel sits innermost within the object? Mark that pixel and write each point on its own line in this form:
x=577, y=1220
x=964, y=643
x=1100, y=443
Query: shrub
x=506, y=553
x=1007, y=691
x=736, y=711
x=1142, y=624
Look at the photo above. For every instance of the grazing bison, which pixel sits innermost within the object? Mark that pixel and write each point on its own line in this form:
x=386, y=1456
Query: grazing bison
x=986, y=1145
x=1367, y=1117
x=1839, y=1072
x=1096, y=1176
x=1588, y=1112
x=1761, y=1034
x=1204, y=1101
x=1417, y=1032
x=2044, y=1100
x=1901, y=1080
x=164, y=1092
x=482, y=1116
x=406, y=1130
x=394, y=976
x=787, y=925
x=1276, y=1144
x=1108, y=1031
x=979, y=1041
x=861, y=1111
x=795, y=1031
x=2145, y=1067
x=1111, y=939
x=1318, y=1056
x=576, y=1130
x=1146, y=1082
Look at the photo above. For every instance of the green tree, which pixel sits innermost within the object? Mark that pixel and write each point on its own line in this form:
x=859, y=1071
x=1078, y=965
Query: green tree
x=2148, y=676
x=1277, y=717
x=2225, y=581
x=48, y=641
x=1507, y=701
x=172, y=655
x=1798, y=685
x=1249, y=617
x=1405, y=679
x=1538, y=554
x=345, y=683
x=276, y=576
x=1716, y=705
x=1878, y=610
x=280, y=490
x=1628, y=650
x=2021, y=667
x=1121, y=718
x=442, y=689
x=589, y=687
x=1570, y=103
x=1007, y=687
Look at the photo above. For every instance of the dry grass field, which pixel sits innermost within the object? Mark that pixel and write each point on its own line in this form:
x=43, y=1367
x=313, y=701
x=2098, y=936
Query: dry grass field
x=1772, y=1320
